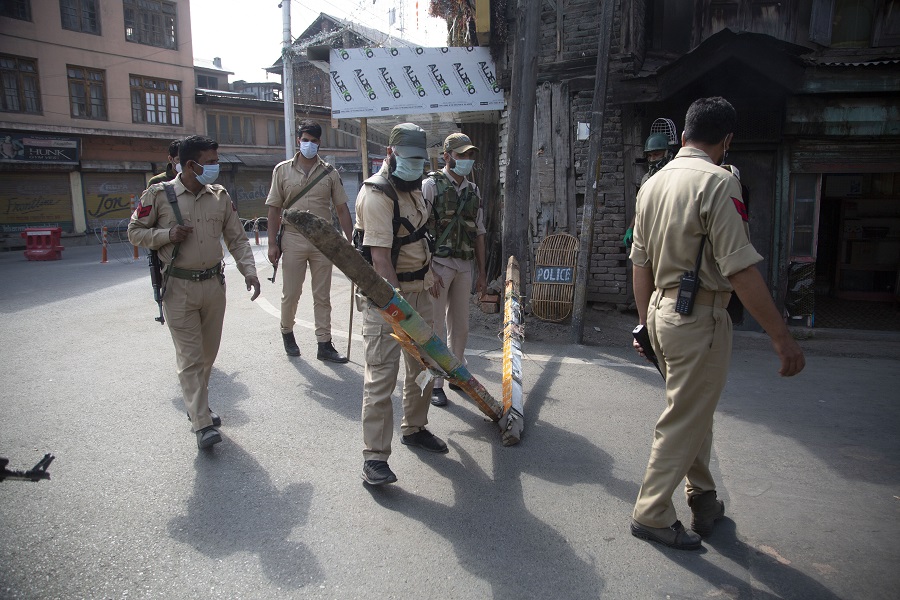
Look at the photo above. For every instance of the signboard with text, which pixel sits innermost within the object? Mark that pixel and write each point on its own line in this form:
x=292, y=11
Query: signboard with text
x=371, y=82
x=108, y=197
x=26, y=148
x=28, y=200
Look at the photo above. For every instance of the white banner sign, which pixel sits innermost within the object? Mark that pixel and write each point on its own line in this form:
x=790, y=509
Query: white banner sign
x=371, y=82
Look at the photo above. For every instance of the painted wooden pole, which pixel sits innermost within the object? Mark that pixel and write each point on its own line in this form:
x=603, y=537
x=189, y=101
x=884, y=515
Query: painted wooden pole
x=513, y=336
x=410, y=329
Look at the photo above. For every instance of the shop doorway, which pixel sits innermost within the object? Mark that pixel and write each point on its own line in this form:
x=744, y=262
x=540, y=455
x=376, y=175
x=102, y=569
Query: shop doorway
x=857, y=266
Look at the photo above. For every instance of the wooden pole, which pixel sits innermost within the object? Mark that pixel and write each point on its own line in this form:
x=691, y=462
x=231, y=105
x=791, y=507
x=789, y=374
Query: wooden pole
x=516, y=240
x=591, y=192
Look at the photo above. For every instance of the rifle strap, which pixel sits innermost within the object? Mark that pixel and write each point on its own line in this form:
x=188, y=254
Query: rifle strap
x=173, y=201
x=328, y=169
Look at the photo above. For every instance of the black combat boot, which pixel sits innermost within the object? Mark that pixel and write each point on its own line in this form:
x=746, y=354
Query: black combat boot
x=706, y=509
x=290, y=344
x=327, y=352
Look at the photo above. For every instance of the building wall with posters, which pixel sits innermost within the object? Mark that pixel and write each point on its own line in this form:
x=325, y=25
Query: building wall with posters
x=92, y=95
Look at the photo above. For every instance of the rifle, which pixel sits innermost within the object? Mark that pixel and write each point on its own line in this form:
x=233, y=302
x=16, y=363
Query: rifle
x=277, y=243
x=156, y=282
x=36, y=473
x=643, y=338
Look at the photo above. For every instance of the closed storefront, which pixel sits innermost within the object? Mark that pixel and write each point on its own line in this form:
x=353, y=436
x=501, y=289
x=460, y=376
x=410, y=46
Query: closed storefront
x=108, y=198
x=35, y=199
x=249, y=191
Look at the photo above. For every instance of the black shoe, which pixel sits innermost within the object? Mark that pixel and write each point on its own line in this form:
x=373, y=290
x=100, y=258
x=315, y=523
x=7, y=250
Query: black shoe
x=425, y=440
x=327, y=352
x=207, y=437
x=438, y=397
x=706, y=509
x=454, y=387
x=217, y=422
x=673, y=536
x=377, y=472
x=290, y=344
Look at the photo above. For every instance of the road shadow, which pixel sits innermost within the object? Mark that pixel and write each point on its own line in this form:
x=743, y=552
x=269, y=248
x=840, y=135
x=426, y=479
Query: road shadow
x=235, y=508
x=226, y=393
x=776, y=575
x=339, y=388
x=494, y=535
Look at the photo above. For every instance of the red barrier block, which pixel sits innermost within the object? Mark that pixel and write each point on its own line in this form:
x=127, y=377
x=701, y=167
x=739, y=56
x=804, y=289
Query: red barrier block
x=43, y=243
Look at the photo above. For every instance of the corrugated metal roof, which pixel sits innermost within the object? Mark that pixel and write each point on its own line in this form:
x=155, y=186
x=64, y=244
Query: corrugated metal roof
x=831, y=62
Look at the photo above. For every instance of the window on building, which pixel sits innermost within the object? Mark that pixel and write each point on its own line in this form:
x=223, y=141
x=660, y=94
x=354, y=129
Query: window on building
x=150, y=22
x=87, y=92
x=670, y=25
x=80, y=15
x=207, y=82
x=804, y=216
x=855, y=23
x=276, y=132
x=155, y=101
x=20, y=84
x=230, y=129
x=16, y=9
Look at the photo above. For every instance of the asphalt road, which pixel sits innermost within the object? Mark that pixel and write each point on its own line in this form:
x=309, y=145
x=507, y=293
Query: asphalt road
x=807, y=467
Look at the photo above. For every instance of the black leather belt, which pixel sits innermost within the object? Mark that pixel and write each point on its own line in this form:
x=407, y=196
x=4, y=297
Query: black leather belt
x=193, y=275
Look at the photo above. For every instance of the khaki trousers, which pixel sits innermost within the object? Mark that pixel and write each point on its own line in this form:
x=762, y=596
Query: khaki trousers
x=382, y=353
x=297, y=252
x=451, y=311
x=195, y=311
x=695, y=353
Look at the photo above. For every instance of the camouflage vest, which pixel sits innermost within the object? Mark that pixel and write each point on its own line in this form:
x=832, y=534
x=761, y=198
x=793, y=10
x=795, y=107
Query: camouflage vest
x=453, y=219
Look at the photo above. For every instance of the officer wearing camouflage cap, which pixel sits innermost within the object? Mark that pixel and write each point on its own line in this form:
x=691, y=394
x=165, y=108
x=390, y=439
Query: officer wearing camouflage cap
x=391, y=232
x=459, y=247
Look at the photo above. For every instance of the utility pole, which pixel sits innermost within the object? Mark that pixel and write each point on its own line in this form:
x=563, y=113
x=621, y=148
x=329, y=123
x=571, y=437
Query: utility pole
x=287, y=78
x=591, y=191
x=516, y=239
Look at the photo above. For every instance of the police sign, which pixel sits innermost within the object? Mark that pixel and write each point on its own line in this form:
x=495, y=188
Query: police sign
x=554, y=274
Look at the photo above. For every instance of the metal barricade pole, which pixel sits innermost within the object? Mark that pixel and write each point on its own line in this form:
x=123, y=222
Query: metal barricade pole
x=103, y=255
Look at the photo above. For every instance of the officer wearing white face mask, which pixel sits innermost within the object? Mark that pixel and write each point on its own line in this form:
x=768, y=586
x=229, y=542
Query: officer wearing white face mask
x=307, y=183
x=391, y=232
x=458, y=230
x=184, y=221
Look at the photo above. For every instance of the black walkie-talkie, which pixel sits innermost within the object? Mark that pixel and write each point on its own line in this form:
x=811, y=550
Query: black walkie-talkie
x=689, y=286
x=687, y=293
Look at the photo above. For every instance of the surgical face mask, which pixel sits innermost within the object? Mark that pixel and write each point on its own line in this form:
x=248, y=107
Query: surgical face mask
x=409, y=169
x=309, y=149
x=209, y=175
x=178, y=167
x=463, y=166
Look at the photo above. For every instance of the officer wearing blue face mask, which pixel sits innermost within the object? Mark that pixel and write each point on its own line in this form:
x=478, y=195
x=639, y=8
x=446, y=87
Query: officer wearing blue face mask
x=391, y=232
x=183, y=221
x=307, y=183
x=458, y=230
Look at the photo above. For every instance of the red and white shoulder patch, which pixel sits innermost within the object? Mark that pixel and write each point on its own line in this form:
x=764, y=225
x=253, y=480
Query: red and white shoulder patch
x=741, y=208
x=143, y=211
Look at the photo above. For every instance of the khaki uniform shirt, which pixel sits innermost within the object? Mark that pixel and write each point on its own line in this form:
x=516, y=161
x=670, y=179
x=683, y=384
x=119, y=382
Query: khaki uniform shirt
x=429, y=190
x=375, y=216
x=211, y=213
x=688, y=198
x=289, y=178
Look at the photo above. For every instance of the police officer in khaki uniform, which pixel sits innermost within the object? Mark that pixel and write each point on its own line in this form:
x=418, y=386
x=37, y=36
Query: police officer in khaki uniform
x=191, y=252
x=289, y=179
x=399, y=252
x=459, y=235
x=691, y=204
